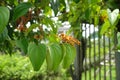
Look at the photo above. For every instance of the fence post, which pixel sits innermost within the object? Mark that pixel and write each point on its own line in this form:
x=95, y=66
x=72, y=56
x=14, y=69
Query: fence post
x=78, y=64
x=117, y=61
x=117, y=57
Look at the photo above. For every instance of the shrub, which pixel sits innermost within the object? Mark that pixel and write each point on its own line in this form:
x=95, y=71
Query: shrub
x=18, y=67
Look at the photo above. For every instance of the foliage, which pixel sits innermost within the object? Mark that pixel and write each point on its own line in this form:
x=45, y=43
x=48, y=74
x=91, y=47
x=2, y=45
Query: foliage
x=18, y=67
x=31, y=26
x=20, y=10
x=54, y=56
x=22, y=18
x=118, y=36
x=4, y=17
x=69, y=55
x=15, y=67
x=37, y=54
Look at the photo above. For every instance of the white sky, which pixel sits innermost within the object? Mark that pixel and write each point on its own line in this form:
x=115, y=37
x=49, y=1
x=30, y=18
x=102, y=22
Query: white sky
x=91, y=26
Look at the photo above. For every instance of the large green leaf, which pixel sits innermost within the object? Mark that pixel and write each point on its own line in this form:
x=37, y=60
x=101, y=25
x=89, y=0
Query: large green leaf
x=104, y=27
x=54, y=56
x=37, y=54
x=4, y=17
x=21, y=10
x=69, y=56
x=113, y=16
x=22, y=44
x=49, y=60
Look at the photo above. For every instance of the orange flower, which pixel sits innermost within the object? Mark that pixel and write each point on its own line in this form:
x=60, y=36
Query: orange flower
x=69, y=39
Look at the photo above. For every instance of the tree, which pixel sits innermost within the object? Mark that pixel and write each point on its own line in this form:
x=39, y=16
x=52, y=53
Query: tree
x=31, y=26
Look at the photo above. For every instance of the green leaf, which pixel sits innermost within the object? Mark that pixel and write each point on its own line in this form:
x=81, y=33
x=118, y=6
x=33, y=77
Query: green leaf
x=54, y=56
x=55, y=6
x=49, y=60
x=70, y=53
x=49, y=22
x=63, y=2
x=113, y=15
x=48, y=11
x=21, y=10
x=22, y=44
x=37, y=54
x=94, y=1
x=31, y=28
x=53, y=38
x=96, y=20
x=44, y=3
x=104, y=27
x=88, y=13
x=4, y=35
x=4, y=18
x=118, y=37
x=76, y=1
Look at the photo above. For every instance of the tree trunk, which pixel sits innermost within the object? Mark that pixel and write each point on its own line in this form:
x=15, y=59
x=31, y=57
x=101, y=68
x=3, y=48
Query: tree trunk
x=78, y=64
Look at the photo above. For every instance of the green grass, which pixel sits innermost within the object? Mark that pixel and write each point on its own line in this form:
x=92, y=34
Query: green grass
x=94, y=51
x=99, y=76
x=93, y=54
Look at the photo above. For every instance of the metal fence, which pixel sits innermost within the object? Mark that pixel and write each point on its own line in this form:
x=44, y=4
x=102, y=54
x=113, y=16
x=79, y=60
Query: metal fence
x=98, y=56
x=95, y=58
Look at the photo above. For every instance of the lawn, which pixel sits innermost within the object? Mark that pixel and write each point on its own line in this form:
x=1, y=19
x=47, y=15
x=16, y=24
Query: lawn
x=99, y=70
x=99, y=75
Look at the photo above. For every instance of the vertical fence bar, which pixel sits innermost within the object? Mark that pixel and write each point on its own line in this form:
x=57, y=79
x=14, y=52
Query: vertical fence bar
x=110, y=60
x=89, y=52
x=94, y=54
x=78, y=64
x=117, y=56
x=104, y=57
x=99, y=53
x=85, y=56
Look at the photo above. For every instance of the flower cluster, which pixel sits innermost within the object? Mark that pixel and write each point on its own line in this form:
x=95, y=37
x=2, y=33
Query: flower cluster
x=37, y=37
x=69, y=39
x=21, y=22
